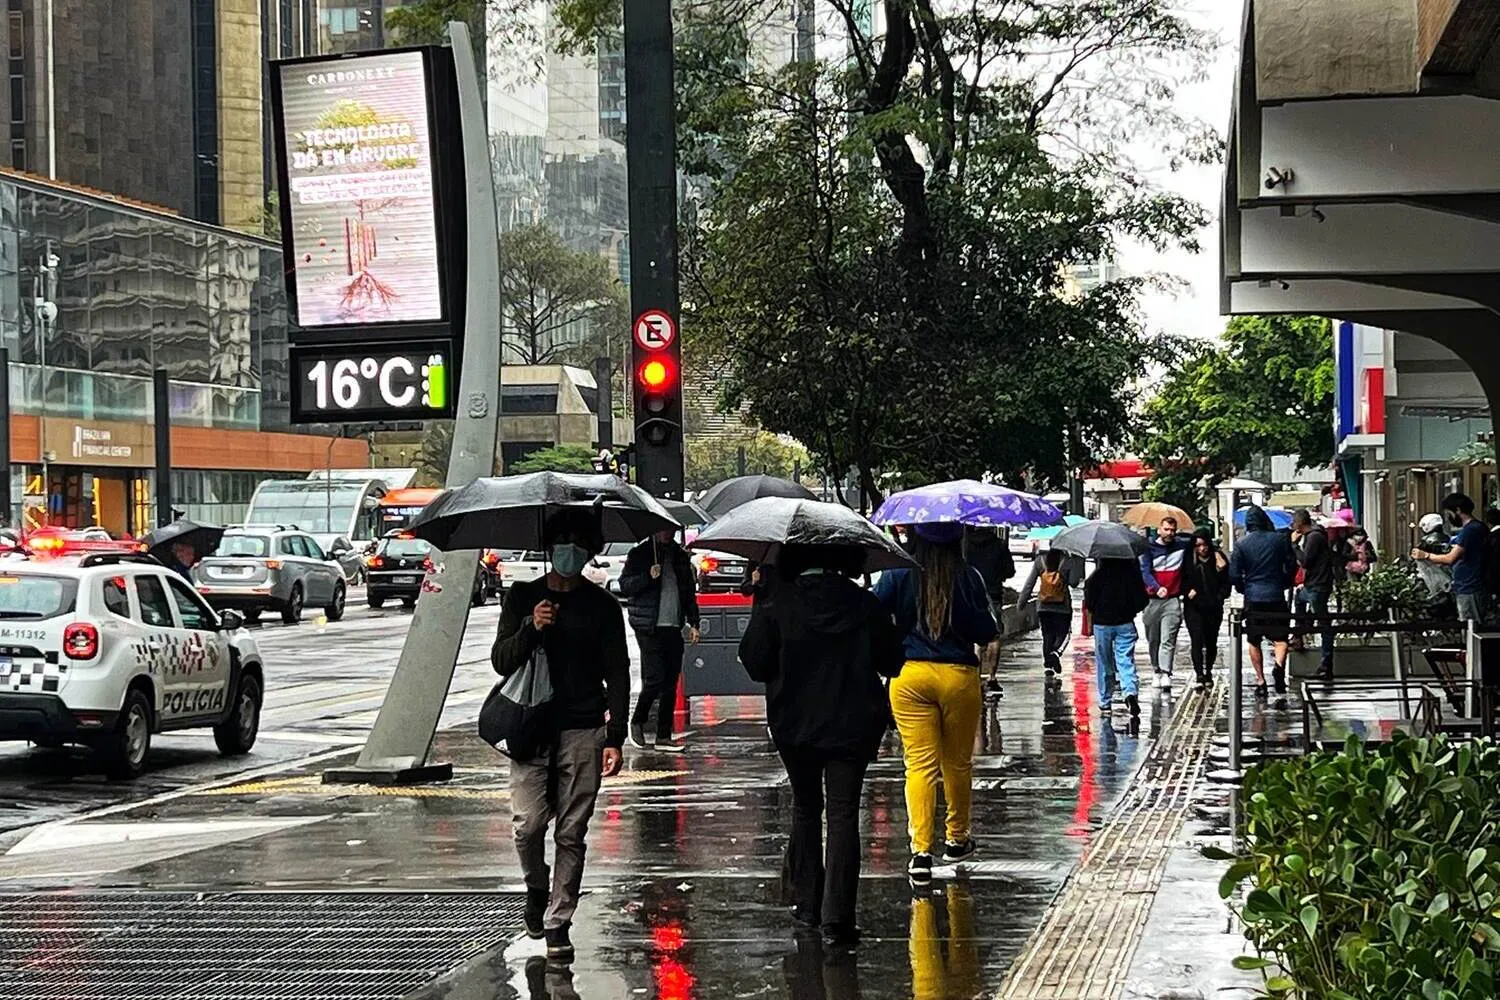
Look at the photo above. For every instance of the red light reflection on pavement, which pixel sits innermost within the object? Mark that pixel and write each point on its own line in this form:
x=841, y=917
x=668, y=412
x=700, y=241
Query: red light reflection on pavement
x=673, y=980
x=1088, y=757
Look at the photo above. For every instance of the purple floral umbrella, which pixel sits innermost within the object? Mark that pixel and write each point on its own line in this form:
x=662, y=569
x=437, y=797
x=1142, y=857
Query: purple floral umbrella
x=967, y=501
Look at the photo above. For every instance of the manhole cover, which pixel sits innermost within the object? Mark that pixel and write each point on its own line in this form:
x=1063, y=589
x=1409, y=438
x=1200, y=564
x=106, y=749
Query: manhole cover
x=242, y=946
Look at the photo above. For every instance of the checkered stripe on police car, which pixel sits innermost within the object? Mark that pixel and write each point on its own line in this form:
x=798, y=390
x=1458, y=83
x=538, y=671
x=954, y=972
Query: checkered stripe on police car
x=30, y=676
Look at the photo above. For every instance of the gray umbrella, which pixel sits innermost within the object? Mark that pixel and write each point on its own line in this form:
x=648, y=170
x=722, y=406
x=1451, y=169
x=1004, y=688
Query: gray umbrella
x=1101, y=540
x=204, y=538
x=509, y=512
x=753, y=529
x=686, y=512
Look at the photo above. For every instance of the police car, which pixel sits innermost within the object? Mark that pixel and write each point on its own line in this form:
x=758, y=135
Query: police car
x=105, y=648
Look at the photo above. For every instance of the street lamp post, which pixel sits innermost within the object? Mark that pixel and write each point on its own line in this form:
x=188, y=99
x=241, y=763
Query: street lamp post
x=44, y=311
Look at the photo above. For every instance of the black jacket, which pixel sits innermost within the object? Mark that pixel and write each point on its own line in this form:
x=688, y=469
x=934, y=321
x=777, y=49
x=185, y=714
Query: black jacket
x=1316, y=558
x=1115, y=593
x=1208, y=584
x=990, y=554
x=821, y=648
x=643, y=594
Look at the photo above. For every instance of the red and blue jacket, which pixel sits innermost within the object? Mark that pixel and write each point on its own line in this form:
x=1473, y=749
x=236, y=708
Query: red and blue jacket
x=1162, y=564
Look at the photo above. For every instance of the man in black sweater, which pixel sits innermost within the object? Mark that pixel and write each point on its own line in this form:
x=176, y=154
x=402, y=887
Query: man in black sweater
x=582, y=632
x=1315, y=556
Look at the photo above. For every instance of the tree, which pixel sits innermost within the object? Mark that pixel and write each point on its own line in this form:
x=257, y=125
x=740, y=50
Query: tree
x=546, y=287
x=714, y=459
x=558, y=458
x=882, y=260
x=437, y=448
x=1267, y=389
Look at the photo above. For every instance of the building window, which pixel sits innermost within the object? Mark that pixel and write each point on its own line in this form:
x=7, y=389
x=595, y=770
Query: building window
x=18, y=154
x=17, y=99
x=17, y=35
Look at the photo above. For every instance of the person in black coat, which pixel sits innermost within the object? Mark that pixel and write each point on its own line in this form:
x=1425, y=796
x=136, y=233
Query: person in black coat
x=1205, y=588
x=821, y=648
x=661, y=598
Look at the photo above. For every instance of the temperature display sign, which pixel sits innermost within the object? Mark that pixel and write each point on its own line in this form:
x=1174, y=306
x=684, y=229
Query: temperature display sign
x=344, y=384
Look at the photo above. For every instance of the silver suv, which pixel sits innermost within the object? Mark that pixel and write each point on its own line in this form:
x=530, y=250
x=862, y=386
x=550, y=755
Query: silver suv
x=257, y=569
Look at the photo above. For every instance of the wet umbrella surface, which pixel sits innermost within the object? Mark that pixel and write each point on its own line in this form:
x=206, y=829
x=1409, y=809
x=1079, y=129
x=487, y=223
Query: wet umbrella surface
x=204, y=538
x=753, y=529
x=731, y=493
x=1101, y=540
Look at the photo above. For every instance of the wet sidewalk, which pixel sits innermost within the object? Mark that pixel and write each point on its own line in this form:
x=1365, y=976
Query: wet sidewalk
x=1076, y=818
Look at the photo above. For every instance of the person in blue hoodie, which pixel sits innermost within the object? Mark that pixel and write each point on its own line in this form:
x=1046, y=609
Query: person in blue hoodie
x=1262, y=567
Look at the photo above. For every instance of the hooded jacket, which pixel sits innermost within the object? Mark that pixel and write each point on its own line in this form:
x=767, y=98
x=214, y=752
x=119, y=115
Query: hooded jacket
x=821, y=648
x=1263, y=564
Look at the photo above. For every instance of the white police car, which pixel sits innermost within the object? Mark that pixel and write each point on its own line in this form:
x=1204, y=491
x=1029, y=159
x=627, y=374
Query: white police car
x=104, y=649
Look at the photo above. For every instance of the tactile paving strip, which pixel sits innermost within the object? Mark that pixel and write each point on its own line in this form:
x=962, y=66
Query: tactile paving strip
x=1083, y=949
x=95, y=945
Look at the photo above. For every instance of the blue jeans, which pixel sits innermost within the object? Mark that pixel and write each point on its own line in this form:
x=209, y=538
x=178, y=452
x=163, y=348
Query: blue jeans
x=1316, y=602
x=1114, y=656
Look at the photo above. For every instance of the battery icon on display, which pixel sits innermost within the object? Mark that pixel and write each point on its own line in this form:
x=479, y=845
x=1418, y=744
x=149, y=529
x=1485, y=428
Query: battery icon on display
x=435, y=376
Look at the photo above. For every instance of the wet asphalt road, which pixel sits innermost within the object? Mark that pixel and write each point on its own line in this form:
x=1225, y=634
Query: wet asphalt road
x=324, y=686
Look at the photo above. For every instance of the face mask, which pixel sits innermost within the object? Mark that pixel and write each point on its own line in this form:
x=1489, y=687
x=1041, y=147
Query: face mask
x=569, y=559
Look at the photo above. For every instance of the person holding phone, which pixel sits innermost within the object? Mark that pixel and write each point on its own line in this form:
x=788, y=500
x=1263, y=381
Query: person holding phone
x=580, y=628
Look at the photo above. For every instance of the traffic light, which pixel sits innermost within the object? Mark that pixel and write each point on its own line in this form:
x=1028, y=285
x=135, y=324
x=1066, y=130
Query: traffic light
x=658, y=404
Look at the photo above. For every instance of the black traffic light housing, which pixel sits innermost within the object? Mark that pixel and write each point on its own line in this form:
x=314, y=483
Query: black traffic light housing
x=658, y=419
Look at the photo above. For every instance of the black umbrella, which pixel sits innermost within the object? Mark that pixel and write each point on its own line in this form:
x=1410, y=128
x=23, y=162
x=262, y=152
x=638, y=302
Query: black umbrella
x=1101, y=540
x=686, y=513
x=204, y=538
x=753, y=529
x=731, y=493
x=509, y=512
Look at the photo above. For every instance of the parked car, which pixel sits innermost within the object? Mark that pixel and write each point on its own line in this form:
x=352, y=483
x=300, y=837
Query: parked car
x=396, y=571
x=522, y=567
x=258, y=569
x=105, y=649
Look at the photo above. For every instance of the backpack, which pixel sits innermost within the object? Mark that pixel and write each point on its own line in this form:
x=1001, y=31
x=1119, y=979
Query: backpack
x=1054, y=589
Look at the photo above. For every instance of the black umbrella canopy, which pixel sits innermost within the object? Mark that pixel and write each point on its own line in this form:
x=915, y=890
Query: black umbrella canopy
x=204, y=538
x=754, y=528
x=1101, y=540
x=731, y=493
x=509, y=512
x=685, y=513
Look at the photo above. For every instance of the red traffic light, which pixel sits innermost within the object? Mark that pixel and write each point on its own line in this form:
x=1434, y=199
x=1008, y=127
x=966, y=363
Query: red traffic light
x=656, y=373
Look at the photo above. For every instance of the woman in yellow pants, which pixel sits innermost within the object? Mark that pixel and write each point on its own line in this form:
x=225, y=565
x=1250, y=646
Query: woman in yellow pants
x=945, y=614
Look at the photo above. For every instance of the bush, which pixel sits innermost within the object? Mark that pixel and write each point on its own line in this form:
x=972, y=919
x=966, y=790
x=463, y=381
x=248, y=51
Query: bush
x=1374, y=873
x=1387, y=586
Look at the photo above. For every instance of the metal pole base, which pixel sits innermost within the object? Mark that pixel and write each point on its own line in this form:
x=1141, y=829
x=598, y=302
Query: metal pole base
x=389, y=772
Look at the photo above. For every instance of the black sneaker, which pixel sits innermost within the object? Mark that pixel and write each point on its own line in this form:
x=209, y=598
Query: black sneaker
x=841, y=936
x=536, y=911
x=1278, y=676
x=1261, y=693
x=638, y=737
x=919, y=869
x=559, y=945
x=954, y=854
x=1134, y=704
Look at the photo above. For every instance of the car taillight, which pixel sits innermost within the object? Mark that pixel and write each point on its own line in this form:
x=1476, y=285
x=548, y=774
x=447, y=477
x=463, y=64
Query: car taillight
x=81, y=641
x=273, y=564
x=491, y=559
x=710, y=564
x=375, y=562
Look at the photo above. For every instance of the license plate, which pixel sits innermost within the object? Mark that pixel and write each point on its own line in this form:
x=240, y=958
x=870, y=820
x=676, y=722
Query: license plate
x=232, y=572
x=405, y=579
x=732, y=570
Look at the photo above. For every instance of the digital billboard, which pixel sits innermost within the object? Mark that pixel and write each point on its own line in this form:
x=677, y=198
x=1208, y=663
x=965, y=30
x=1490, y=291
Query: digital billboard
x=336, y=384
x=360, y=191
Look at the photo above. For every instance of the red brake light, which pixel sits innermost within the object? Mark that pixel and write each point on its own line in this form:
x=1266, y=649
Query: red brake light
x=710, y=564
x=375, y=562
x=81, y=641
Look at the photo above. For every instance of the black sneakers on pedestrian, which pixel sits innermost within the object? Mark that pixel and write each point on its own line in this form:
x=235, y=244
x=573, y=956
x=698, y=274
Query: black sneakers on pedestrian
x=1261, y=693
x=841, y=936
x=1134, y=704
x=919, y=869
x=1278, y=677
x=559, y=945
x=536, y=912
x=954, y=854
x=638, y=737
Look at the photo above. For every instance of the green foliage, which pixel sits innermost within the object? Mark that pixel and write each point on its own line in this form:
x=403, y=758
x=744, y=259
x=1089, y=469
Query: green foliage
x=712, y=460
x=425, y=22
x=1389, y=586
x=1267, y=389
x=1374, y=873
x=547, y=286
x=559, y=458
x=437, y=448
x=1476, y=453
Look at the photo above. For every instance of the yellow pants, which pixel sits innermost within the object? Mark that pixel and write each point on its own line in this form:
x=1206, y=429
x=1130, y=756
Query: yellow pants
x=937, y=707
x=934, y=977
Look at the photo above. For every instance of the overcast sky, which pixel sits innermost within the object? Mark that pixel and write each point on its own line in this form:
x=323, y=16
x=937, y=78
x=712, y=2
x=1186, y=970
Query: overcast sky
x=1194, y=310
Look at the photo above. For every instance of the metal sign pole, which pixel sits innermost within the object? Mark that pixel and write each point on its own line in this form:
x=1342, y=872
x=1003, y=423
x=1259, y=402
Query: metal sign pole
x=1236, y=689
x=398, y=748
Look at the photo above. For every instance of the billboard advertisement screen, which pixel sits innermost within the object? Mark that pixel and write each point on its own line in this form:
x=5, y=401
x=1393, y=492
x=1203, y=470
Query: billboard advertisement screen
x=360, y=189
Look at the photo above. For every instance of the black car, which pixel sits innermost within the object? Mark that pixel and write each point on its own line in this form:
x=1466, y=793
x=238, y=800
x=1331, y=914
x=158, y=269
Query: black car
x=398, y=567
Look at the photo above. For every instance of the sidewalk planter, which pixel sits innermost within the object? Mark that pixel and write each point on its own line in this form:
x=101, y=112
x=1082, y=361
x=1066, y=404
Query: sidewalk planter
x=1351, y=658
x=1018, y=619
x=1374, y=872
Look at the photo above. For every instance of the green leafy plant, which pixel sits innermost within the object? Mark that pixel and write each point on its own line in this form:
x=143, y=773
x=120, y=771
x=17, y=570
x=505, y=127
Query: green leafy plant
x=558, y=458
x=1389, y=586
x=1374, y=873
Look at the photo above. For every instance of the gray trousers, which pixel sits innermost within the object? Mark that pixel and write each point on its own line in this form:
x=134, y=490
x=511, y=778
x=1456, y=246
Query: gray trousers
x=1163, y=617
x=579, y=772
x=1473, y=607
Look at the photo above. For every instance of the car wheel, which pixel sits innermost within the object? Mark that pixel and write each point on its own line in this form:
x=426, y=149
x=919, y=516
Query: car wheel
x=335, y=611
x=126, y=748
x=236, y=734
x=408, y=603
x=481, y=595
x=376, y=603
x=292, y=613
x=252, y=616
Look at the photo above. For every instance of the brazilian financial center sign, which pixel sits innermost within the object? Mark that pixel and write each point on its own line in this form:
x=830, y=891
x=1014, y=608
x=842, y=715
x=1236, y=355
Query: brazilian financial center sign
x=370, y=172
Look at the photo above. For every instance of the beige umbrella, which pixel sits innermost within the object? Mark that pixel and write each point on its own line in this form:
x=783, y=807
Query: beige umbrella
x=1151, y=514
